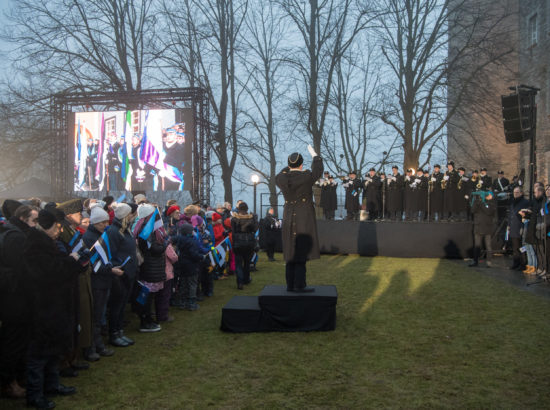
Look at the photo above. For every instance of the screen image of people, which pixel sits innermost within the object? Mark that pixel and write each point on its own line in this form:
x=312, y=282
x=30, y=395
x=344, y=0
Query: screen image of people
x=141, y=150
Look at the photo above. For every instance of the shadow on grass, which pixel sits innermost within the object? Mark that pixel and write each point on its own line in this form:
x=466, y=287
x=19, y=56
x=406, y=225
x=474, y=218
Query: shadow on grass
x=410, y=333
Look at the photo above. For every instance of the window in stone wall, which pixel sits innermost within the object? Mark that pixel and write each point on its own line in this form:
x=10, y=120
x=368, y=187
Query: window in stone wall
x=533, y=30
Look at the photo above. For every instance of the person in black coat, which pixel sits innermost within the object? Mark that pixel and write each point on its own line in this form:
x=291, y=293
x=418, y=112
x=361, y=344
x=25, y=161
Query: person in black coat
x=514, y=226
x=352, y=185
x=501, y=186
x=243, y=228
x=189, y=262
x=123, y=246
x=101, y=283
x=371, y=194
x=15, y=314
x=52, y=274
x=436, y=194
x=328, y=195
x=272, y=229
x=484, y=213
x=300, y=241
x=421, y=194
x=451, y=196
x=395, y=187
x=409, y=194
x=534, y=235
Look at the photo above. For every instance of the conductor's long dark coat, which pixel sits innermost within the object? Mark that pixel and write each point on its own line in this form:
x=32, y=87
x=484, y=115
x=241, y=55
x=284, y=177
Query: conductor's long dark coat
x=300, y=242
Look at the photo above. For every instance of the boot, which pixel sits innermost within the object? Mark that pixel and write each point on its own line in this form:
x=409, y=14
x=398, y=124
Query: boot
x=193, y=305
x=14, y=391
x=116, y=340
x=529, y=269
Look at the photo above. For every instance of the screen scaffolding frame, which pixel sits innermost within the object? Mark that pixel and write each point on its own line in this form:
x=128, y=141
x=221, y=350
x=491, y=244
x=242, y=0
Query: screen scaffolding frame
x=63, y=104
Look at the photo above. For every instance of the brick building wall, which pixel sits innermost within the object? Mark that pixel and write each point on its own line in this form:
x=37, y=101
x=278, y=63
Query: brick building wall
x=534, y=61
x=475, y=132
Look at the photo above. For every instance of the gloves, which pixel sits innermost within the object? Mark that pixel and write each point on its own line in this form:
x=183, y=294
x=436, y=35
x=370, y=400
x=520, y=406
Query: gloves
x=417, y=181
x=311, y=151
x=446, y=177
x=433, y=179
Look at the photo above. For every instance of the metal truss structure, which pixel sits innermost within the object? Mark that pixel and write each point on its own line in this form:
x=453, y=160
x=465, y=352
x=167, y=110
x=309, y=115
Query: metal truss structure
x=63, y=104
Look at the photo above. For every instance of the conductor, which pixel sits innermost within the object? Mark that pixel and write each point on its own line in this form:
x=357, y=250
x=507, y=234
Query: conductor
x=300, y=242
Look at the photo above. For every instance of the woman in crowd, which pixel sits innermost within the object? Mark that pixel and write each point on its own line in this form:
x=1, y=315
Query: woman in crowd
x=52, y=274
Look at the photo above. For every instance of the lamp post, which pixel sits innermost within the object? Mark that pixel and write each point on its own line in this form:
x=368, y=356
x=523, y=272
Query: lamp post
x=255, y=179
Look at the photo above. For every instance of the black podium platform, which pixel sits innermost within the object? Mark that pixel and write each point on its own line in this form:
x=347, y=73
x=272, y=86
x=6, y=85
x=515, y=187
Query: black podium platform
x=275, y=309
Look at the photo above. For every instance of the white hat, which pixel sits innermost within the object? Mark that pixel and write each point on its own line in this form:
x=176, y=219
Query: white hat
x=140, y=198
x=99, y=203
x=144, y=210
x=97, y=215
x=122, y=210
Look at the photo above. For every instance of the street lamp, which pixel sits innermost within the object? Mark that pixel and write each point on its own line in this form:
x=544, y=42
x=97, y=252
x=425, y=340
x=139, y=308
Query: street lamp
x=255, y=179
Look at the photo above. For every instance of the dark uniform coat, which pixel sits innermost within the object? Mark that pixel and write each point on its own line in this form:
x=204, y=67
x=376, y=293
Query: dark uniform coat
x=395, y=193
x=421, y=194
x=371, y=194
x=487, y=182
x=451, y=195
x=300, y=242
x=352, y=194
x=436, y=193
x=464, y=189
x=328, y=195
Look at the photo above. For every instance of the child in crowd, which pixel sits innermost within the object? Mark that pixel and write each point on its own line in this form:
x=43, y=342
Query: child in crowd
x=190, y=258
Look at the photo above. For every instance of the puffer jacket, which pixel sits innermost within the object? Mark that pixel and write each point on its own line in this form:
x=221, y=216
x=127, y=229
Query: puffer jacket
x=153, y=268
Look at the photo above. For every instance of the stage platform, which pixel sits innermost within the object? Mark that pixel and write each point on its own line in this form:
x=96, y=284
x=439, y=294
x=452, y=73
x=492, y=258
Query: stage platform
x=275, y=309
x=452, y=240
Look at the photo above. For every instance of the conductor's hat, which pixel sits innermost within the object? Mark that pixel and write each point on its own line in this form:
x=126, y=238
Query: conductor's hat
x=295, y=160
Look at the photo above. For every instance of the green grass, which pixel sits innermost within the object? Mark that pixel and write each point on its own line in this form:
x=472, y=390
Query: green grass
x=410, y=333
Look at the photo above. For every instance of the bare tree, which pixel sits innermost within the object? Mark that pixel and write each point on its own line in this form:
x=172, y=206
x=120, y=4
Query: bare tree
x=327, y=29
x=203, y=50
x=84, y=44
x=265, y=87
x=414, y=36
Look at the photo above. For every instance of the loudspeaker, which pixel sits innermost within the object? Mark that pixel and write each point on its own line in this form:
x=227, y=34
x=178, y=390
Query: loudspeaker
x=518, y=114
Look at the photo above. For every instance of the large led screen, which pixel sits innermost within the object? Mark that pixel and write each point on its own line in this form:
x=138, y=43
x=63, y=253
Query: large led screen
x=141, y=150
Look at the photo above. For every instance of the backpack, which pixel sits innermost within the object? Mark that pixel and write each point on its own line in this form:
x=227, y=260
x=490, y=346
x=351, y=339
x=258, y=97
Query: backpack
x=8, y=282
x=244, y=240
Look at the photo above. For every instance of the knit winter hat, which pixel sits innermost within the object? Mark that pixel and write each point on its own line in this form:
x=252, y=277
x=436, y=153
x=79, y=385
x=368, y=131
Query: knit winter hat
x=196, y=220
x=73, y=206
x=98, y=215
x=172, y=209
x=216, y=217
x=9, y=207
x=144, y=210
x=46, y=219
x=186, y=229
x=139, y=198
x=122, y=210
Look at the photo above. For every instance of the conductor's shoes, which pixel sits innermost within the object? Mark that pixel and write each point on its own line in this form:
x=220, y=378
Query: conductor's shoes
x=307, y=289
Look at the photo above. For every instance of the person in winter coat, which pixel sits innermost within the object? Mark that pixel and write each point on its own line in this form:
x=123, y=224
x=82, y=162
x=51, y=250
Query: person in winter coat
x=190, y=258
x=15, y=314
x=514, y=226
x=52, y=274
x=243, y=228
x=152, y=273
x=101, y=280
x=300, y=241
x=123, y=247
x=535, y=231
x=484, y=214
x=272, y=230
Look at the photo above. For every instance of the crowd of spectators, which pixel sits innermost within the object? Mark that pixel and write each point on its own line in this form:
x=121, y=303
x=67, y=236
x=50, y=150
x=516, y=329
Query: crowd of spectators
x=70, y=271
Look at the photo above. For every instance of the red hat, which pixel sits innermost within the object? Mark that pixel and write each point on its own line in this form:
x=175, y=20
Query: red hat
x=172, y=209
x=216, y=217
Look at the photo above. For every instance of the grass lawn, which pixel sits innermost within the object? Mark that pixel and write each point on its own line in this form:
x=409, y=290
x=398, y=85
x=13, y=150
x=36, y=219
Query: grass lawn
x=409, y=333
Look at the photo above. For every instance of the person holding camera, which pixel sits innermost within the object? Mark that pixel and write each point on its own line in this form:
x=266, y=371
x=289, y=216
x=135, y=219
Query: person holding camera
x=484, y=211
